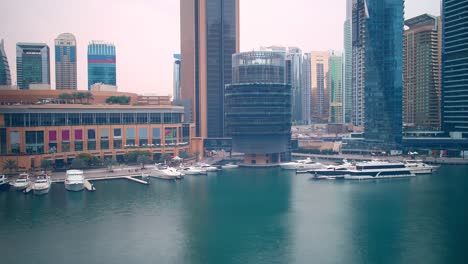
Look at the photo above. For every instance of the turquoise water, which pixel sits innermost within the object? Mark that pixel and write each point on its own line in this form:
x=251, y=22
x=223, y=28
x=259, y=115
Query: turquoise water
x=242, y=216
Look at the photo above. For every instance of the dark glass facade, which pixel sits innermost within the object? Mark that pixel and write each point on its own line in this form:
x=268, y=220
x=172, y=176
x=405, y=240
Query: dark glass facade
x=5, y=77
x=32, y=64
x=384, y=71
x=101, y=64
x=455, y=66
x=258, y=111
x=221, y=35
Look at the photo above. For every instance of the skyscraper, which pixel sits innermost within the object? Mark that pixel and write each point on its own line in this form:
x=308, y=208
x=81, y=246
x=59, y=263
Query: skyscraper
x=348, y=63
x=65, y=62
x=101, y=63
x=306, y=87
x=5, y=77
x=422, y=73
x=358, y=40
x=384, y=71
x=32, y=64
x=176, y=78
x=294, y=64
x=258, y=107
x=455, y=67
x=335, y=86
x=319, y=95
x=209, y=37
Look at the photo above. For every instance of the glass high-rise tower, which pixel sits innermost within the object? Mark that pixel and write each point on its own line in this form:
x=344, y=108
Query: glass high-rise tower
x=32, y=64
x=101, y=63
x=209, y=38
x=383, y=71
x=455, y=66
x=335, y=86
x=5, y=77
x=348, y=63
x=65, y=62
x=176, y=78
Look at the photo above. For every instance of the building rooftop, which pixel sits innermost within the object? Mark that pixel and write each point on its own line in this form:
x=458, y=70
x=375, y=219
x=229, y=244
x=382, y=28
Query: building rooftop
x=422, y=20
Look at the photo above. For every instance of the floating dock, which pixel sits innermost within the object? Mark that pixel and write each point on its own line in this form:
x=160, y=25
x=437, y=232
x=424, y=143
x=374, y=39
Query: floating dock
x=136, y=180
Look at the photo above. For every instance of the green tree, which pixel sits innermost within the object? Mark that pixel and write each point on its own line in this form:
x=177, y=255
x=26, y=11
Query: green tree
x=80, y=96
x=132, y=156
x=110, y=163
x=143, y=159
x=165, y=157
x=125, y=100
x=197, y=155
x=10, y=165
x=184, y=154
x=88, y=159
x=78, y=164
x=46, y=165
x=65, y=97
x=88, y=96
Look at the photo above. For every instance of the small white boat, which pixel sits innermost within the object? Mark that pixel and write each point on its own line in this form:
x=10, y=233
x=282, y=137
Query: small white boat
x=229, y=166
x=22, y=182
x=41, y=185
x=74, y=181
x=165, y=173
x=303, y=165
x=192, y=171
x=207, y=167
x=419, y=167
x=4, y=184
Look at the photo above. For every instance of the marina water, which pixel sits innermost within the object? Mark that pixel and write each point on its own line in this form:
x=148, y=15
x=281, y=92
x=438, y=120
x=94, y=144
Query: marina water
x=242, y=216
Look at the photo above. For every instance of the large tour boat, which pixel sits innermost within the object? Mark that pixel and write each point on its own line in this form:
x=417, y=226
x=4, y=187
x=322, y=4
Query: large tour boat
x=74, y=180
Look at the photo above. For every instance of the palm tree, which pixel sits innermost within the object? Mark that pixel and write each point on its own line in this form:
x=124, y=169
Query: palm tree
x=66, y=97
x=10, y=165
x=88, y=96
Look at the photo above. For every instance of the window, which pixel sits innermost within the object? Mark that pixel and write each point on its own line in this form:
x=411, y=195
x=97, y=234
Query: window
x=15, y=142
x=78, y=134
x=65, y=135
x=65, y=146
x=114, y=118
x=78, y=145
x=155, y=118
x=156, y=136
x=130, y=136
x=104, y=138
x=91, y=134
x=117, y=143
x=91, y=145
x=87, y=119
x=128, y=118
x=142, y=118
x=117, y=133
x=34, y=142
x=170, y=136
x=52, y=135
x=52, y=147
x=143, y=133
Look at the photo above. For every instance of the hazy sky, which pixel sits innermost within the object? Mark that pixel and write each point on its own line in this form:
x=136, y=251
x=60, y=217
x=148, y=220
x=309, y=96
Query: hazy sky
x=146, y=32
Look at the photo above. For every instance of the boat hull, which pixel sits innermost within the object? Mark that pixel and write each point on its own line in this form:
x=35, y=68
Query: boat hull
x=19, y=187
x=41, y=191
x=364, y=177
x=74, y=187
x=4, y=186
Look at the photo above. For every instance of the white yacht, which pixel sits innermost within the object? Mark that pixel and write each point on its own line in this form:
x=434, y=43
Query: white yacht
x=192, y=171
x=74, y=180
x=207, y=167
x=378, y=170
x=229, y=166
x=302, y=165
x=419, y=167
x=22, y=182
x=165, y=173
x=41, y=185
x=332, y=171
x=4, y=184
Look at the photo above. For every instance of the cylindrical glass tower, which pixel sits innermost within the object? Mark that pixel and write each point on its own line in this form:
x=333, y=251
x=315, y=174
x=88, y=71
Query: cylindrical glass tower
x=258, y=107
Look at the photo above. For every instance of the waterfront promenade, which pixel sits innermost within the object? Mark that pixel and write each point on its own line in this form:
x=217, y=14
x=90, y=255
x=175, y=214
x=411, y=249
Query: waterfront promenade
x=349, y=157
